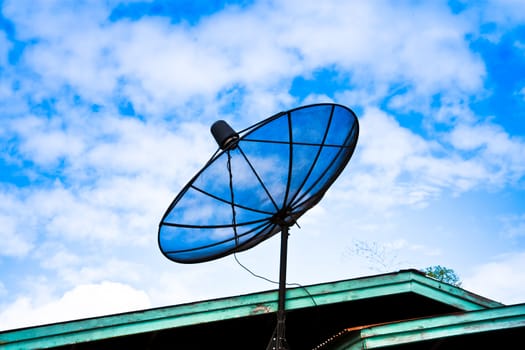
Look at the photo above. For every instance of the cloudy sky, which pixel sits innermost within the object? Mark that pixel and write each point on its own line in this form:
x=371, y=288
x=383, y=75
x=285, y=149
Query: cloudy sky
x=105, y=114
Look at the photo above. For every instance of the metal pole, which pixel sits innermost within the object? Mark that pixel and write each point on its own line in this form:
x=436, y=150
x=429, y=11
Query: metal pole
x=281, y=316
x=278, y=340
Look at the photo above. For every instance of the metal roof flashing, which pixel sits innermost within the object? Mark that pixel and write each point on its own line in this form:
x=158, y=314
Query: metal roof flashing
x=341, y=304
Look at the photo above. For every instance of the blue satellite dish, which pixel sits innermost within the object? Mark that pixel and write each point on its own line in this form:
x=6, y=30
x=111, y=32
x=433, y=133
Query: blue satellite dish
x=260, y=180
x=257, y=184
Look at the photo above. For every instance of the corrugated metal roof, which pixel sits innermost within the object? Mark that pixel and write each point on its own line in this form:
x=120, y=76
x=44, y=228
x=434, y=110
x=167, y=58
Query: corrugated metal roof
x=407, y=286
x=442, y=328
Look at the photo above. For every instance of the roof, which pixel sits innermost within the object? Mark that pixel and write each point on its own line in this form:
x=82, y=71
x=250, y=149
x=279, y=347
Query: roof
x=455, y=331
x=314, y=313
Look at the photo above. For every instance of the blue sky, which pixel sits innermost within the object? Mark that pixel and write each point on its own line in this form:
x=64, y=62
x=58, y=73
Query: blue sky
x=106, y=109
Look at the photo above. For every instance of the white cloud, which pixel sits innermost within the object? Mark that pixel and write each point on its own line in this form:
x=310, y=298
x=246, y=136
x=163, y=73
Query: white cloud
x=494, y=149
x=102, y=144
x=174, y=286
x=46, y=142
x=105, y=268
x=387, y=144
x=521, y=93
x=16, y=229
x=5, y=46
x=13, y=244
x=115, y=178
x=412, y=170
x=3, y=290
x=159, y=65
x=86, y=300
x=92, y=263
x=505, y=13
x=513, y=226
x=502, y=279
x=55, y=255
x=423, y=47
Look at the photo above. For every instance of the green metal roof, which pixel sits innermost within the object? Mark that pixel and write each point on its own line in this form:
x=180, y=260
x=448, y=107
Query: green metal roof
x=410, y=285
x=401, y=334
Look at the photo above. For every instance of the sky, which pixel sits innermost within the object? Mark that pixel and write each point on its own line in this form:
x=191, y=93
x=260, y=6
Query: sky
x=105, y=114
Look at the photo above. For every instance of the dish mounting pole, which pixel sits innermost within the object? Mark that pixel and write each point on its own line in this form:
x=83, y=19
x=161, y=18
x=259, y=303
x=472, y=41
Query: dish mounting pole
x=278, y=341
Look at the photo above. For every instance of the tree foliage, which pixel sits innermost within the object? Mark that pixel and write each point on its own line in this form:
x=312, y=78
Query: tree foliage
x=443, y=274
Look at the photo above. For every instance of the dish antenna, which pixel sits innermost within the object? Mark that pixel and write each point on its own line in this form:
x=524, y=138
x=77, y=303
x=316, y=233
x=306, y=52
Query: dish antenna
x=257, y=184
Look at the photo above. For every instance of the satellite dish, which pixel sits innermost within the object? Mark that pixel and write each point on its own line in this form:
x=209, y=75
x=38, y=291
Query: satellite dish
x=257, y=184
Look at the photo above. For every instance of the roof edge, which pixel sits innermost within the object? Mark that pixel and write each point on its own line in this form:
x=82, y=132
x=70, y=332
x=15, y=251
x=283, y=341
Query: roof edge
x=422, y=329
x=96, y=328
